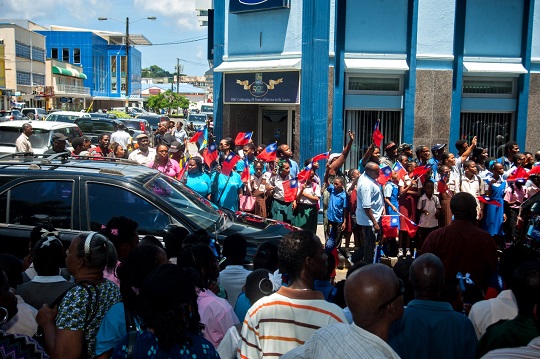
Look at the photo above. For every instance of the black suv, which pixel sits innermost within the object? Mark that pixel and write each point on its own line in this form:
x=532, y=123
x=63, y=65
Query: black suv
x=81, y=195
x=92, y=127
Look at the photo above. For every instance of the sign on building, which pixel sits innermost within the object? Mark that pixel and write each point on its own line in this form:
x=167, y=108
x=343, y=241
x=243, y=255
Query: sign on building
x=262, y=87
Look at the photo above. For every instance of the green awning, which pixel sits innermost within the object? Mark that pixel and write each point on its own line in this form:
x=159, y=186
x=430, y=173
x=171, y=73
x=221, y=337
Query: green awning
x=68, y=72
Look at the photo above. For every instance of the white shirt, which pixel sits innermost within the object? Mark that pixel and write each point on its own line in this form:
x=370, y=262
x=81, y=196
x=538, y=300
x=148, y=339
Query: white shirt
x=487, y=312
x=143, y=158
x=121, y=137
x=22, y=144
x=431, y=206
x=233, y=278
x=369, y=196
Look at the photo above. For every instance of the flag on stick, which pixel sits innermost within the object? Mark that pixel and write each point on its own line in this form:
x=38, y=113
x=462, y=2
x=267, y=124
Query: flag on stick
x=377, y=134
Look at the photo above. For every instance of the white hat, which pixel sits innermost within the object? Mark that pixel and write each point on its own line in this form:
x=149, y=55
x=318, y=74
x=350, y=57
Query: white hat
x=333, y=156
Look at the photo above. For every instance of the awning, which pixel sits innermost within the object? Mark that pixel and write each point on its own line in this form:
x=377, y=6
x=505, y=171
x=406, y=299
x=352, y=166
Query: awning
x=493, y=68
x=68, y=72
x=262, y=65
x=384, y=66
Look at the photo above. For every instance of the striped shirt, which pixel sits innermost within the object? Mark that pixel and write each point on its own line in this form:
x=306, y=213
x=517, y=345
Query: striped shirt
x=283, y=321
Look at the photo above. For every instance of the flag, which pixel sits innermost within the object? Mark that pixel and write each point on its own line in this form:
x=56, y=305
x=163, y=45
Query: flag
x=519, y=173
x=245, y=172
x=322, y=156
x=534, y=171
x=290, y=189
x=269, y=153
x=304, y=174
x=210, y=154
x=377, y=134
x=243, y=138
x=201, y=137
x=409, y=226
x=390, y=226
x=420, y=171
x=400, y=170
x=229, y=162
x=183, y=170
x=385, y=175
x=442, y=187
x=489, y=200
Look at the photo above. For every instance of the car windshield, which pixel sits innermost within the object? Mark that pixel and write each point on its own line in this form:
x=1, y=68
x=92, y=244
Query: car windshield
x=202, y=212
x=62, y=118
x=206, y=108
x=39, y=138
x=197, y=118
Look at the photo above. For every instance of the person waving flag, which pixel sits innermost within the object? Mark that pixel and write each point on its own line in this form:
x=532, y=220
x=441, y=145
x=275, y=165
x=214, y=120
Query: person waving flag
x=243, y=138
x=269, y=153
x=377, y=134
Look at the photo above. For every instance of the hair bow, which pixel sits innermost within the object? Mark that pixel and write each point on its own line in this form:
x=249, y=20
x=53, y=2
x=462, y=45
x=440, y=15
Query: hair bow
x=275, y=278
x=465, y=279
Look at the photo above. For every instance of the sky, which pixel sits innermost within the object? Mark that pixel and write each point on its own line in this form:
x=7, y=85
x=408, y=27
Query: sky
x=176, y=23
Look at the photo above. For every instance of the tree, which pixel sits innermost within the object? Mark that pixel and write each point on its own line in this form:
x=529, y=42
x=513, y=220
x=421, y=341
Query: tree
x=167, y=100
x=155, y=71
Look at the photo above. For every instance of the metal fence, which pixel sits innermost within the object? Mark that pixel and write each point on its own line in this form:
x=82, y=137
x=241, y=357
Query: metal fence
x=492, y=129
x=362, y=123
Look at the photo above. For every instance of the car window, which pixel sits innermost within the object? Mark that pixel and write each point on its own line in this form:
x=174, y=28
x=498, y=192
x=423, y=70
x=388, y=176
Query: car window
x=50, y=203
x=107, y=201
x=41, y=111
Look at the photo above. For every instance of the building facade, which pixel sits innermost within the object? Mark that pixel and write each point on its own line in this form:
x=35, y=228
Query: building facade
x=307, y=71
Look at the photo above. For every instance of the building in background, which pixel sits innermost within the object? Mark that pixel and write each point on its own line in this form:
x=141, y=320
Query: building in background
x=22, y=65
x=65, y=86
x=433, y=71
x=192, y=93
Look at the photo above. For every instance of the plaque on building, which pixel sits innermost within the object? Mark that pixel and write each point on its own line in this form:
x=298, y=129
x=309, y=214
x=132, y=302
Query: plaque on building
x=262, y=87
x=240, y=6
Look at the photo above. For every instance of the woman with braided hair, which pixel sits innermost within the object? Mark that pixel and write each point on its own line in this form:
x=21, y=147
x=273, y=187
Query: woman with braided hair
x=281, y=209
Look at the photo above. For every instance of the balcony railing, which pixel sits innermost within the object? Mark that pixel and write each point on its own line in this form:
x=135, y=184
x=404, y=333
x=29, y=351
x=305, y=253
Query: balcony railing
x=70, y=89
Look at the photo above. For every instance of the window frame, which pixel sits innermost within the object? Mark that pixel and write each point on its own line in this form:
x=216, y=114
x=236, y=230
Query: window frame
x=348, y=77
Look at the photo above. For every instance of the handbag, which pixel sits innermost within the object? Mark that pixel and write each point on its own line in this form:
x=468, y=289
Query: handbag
x=247, y=203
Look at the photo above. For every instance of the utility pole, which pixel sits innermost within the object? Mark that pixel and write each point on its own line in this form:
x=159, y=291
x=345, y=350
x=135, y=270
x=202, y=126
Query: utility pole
x=177, y=75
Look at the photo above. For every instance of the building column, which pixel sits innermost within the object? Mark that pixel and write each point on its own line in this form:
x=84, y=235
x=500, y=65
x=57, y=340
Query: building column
x=219, y=51
x=410, y=77
x=457, y=83
x=524, y=80
x=314, y=82
x=338, y=113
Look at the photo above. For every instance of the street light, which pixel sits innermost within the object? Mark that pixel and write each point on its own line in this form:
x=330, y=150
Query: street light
x=128, y=79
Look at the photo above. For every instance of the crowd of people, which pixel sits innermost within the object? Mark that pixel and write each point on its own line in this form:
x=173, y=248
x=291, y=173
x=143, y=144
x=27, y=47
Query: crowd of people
x=472, y=289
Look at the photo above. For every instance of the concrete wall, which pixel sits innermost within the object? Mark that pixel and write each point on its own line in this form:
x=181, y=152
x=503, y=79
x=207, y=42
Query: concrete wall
x=435, y=28
x=432, y=107
x=239, y=118
x=533, y=120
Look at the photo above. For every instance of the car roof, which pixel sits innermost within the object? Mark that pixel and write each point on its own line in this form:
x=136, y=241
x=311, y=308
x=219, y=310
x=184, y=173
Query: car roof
x=62, y=163
x=44, y=125
x=76, y=113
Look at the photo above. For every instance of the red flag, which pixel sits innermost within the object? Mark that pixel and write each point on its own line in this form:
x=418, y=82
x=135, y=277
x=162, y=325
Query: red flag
x=400, y=170
x=488, y=200
x=243, y=138
x=210, y=154
x=245, y=172
x=304, y=174
x=229, y=162
x=390, y=226
x=269, y=153
x=384, y=175
x=377, y=134
x=534, y=171
x=196, y=136
x=322, y=156
x=183, y=170
x=409, y=226
x=420, y=171
x=442, y=187
x=519, y=173
x=290, y=190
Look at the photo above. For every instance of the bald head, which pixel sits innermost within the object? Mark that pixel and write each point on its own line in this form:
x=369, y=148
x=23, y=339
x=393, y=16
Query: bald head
x=373, y=295
x=463, y=206
x=427, y=277
x=371, y=166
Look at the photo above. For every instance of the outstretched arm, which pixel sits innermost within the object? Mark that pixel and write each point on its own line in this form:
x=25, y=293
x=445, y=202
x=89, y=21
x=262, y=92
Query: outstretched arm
x=469, y=150
x=341, y=159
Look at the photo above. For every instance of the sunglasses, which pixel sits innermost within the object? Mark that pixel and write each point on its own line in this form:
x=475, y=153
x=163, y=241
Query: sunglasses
x=400, y=292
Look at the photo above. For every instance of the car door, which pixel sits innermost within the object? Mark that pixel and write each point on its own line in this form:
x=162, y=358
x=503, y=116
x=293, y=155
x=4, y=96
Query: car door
x=53, y=202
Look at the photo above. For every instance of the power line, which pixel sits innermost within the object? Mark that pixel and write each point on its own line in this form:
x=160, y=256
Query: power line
x=180, y=42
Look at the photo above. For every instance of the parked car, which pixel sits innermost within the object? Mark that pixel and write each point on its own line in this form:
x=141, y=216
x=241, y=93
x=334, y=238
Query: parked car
x=102, y=115
x=41, y=138
x=138, y=126
x=34, y=113
x=198, y=120
x=12, y=115
x=93, y=127
x=154, y=120
x=78, y=195
x=66, y=116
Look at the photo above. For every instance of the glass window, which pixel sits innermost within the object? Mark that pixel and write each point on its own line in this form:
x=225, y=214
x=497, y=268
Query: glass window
x=22, y=50
x=65, y=55
x=378, y=85
x=54, y=53
x=38, y=54
x=151, y=219
x=474, y=87
x=76, y=56
x=50, y=203
x=23, y=78
x=492, y=129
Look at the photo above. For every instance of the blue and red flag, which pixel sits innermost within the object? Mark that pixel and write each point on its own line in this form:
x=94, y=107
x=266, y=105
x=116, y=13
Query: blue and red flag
x=409, y=226
x=290, y=189
x=400, y=170
x=228, y=163
x=489, y=200
x=322, y=156
x=390, y=225
x=183, y=170
x=420, y=171
x=243, y=138
x=269, y=153
x=442, y=187
x=304, y=174
x=210, y=154
x=519, y=173
x=245, y=172
x=201, y=137
x=377, y=134
x=384, y=175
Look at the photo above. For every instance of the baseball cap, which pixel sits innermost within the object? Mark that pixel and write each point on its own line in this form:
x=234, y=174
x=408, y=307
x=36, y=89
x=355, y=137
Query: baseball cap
x=438, y=146
x=59, y=137
x=389, y=145
x=175, y=146
x=333, y=156
x=404, y=146
x=141, y=136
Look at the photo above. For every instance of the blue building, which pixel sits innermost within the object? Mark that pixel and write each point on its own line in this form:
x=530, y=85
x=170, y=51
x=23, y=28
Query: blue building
x=303, y=72
x=102, y=55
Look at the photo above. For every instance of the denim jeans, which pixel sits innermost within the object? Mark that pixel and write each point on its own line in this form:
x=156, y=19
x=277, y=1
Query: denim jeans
x=371, y=236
